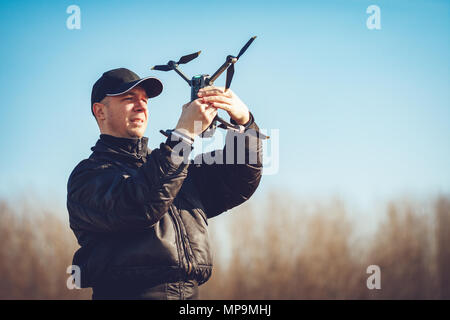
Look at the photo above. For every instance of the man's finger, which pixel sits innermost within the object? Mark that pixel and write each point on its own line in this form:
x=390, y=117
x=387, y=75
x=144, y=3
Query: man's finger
x=203, y=107
x=220, y=99
x=210, y=91
x=210, y=109
x=222, y=106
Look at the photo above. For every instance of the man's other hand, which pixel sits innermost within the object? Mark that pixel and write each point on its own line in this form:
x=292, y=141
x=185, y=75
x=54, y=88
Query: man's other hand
x=228, y=101
x=195, y=111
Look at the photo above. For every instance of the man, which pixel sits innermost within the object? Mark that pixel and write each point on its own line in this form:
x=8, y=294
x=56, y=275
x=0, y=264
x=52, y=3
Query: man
x=141, y=216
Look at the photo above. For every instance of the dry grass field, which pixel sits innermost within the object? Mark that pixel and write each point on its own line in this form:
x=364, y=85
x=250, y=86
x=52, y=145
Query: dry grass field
x=287, y=250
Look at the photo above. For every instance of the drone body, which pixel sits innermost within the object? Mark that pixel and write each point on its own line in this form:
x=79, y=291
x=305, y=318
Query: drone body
x=198, y=82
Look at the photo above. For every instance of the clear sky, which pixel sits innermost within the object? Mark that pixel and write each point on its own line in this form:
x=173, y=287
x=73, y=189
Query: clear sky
x=361, y=113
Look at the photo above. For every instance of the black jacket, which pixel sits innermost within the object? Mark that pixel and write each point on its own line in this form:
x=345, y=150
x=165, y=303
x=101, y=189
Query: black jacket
x=141, y=216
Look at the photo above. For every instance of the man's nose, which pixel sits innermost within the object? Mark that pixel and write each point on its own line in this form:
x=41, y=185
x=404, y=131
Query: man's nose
x=140, y=106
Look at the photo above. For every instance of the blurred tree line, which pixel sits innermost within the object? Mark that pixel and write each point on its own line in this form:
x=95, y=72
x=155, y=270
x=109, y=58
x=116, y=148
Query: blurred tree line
x=283, y=251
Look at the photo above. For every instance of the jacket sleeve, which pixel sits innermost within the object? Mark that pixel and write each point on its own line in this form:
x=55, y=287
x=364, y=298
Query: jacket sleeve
x=102, y=199
x=226, y=178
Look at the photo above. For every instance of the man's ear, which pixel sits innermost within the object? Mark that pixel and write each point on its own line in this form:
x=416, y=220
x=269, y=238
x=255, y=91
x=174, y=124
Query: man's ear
x=99, y=110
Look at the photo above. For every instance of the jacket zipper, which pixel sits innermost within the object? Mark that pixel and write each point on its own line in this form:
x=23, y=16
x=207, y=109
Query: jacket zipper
x=138, y=153
x=177, y=222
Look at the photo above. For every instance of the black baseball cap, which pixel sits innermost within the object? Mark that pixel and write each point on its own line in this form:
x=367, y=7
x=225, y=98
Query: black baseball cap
x=119, y=81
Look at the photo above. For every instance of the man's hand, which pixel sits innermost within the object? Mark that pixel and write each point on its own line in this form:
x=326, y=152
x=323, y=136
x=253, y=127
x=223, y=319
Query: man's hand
x=195, y=111
x=228, y=101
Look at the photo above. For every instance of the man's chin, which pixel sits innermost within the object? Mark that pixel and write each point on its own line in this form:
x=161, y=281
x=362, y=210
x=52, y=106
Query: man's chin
x=136, y=133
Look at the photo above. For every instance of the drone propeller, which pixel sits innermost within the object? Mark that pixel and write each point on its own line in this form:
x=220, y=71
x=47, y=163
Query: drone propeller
x=163, y=67
x=230, y=73
x=187, y=58
x=244, y=48
x=233, y=60
x=172, y=65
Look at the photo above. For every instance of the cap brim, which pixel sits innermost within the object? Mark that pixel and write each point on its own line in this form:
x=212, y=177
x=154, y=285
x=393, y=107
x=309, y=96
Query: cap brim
x=153, y=86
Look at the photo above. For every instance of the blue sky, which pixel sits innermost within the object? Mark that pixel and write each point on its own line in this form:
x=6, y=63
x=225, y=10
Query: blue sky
x=361, y=113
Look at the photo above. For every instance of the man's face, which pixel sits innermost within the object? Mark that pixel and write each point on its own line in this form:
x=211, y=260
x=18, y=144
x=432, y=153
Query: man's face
x=126, y=115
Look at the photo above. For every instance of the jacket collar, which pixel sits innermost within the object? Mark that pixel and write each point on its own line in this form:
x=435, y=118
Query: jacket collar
x=134, y=147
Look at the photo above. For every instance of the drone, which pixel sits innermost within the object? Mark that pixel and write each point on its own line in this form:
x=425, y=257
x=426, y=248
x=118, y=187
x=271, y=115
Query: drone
x=203, y=80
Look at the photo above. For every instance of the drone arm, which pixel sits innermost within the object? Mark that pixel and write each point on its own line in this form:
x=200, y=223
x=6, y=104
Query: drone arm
x=239, y=128
x=220, y=70
x=177, y=70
